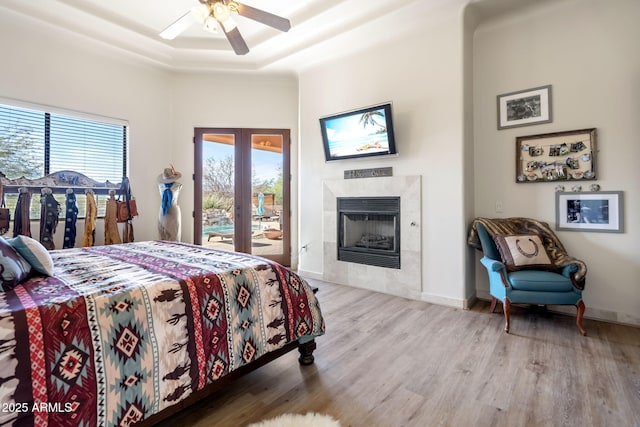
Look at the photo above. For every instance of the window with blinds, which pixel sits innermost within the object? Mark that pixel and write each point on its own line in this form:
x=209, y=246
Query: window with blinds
x=35, y=142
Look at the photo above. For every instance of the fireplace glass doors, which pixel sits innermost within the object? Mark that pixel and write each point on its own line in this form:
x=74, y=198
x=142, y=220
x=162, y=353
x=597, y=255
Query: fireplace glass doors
x=369, y=230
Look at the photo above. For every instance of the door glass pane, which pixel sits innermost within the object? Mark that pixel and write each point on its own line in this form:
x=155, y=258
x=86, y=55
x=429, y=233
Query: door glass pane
x=218, y=191
x=267, y=231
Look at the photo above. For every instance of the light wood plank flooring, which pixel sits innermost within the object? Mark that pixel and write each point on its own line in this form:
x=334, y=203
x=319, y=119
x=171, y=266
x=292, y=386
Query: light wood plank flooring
x=387, y=361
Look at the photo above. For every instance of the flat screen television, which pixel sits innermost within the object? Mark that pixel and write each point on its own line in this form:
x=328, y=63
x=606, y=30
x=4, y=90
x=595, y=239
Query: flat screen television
x=365, y=132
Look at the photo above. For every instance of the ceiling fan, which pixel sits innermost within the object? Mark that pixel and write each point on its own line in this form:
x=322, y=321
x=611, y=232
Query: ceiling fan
x=214, y=14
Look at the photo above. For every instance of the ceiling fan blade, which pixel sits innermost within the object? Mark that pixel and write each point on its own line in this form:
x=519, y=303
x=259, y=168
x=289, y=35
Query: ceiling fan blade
x=173, y=30
x=235, y=39
x=275, y=21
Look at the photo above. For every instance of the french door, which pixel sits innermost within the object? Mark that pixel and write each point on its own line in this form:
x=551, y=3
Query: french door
x=242, y=194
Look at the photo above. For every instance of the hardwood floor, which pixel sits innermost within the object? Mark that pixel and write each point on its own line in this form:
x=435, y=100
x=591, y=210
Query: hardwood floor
x=387, y=361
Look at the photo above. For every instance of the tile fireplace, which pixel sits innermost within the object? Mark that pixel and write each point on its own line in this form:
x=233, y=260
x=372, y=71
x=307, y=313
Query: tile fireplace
x=405, y=280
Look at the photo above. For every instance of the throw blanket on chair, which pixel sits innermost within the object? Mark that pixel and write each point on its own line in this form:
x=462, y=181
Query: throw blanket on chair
x=511, y=226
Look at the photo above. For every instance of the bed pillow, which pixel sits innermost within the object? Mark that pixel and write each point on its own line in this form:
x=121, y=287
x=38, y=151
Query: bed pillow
x=35, y=254
x=523, y=252
x=14, y=268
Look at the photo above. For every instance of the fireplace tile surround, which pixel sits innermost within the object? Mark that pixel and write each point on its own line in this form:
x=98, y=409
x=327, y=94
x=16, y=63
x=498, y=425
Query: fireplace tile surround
x=406, y=281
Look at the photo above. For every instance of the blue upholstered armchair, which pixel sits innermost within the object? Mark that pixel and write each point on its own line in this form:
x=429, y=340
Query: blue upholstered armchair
x=527, y=264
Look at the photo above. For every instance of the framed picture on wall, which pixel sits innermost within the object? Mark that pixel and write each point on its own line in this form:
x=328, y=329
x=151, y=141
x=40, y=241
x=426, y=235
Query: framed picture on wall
x=525, y=107
x=557, y=156
x=590, y=211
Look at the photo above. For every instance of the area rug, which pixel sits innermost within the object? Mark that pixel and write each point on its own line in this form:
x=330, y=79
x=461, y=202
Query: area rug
x=310, y=419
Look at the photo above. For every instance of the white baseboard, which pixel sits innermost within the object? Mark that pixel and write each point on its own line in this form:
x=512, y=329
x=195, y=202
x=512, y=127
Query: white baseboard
x=449, y=302
x=310, y=274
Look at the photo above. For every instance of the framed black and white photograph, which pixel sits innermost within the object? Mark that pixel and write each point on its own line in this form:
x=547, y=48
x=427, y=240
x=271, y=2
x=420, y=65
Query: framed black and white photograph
x=600, y=211
x=525, y=107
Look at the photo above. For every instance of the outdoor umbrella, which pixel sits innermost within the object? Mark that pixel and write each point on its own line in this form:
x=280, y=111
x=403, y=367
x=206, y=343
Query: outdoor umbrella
x=260, y=209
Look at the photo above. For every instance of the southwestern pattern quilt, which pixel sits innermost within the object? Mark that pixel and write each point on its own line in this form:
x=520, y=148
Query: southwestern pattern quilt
x=123, y=331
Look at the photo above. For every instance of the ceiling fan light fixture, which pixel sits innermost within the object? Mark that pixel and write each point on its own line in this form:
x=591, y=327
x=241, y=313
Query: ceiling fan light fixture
x=214, y=14
x=210, y=24
x=221, y=11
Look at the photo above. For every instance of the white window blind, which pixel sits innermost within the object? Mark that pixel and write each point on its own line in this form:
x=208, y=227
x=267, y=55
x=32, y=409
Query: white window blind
x=37, y=142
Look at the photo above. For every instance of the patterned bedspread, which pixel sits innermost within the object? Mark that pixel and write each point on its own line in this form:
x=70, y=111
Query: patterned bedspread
x=124, y=331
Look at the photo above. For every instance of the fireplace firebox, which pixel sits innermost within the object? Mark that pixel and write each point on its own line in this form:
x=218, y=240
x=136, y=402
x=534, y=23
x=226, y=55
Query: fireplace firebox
x=369, y=230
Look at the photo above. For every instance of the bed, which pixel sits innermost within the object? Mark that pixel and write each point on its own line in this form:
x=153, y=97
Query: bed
x=127, y=333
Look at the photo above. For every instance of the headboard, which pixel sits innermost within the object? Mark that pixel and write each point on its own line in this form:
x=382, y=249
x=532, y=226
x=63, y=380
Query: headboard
x=58, y=182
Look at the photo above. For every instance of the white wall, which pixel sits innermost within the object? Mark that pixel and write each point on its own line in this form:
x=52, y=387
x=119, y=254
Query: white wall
x=588, y=51
x=421, y=73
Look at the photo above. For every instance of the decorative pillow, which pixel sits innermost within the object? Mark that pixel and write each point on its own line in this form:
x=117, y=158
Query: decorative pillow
x=13, y=268
x=523, y=252
x=35, y=254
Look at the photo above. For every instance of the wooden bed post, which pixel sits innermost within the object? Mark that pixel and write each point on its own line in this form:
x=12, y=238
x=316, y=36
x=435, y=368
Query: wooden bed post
x=306, y=352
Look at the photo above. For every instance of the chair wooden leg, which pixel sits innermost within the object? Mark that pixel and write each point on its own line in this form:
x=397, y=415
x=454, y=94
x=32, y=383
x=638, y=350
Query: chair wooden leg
x=506, y=307
x=494, y=300
x=581, y=309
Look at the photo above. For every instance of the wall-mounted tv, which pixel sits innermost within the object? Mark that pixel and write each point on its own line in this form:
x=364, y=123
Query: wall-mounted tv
x=364, y=132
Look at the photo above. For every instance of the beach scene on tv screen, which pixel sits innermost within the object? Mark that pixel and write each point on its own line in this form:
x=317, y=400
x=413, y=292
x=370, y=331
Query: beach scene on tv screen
x=358, y=134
